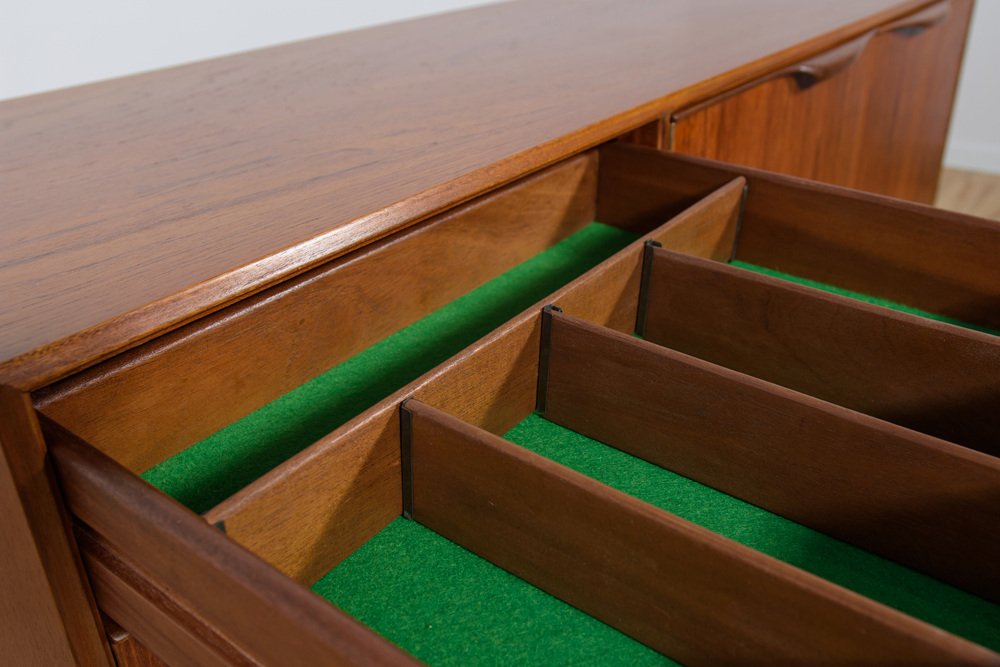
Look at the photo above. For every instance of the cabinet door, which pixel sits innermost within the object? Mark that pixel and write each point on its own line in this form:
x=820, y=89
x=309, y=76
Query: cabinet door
x=871, y=114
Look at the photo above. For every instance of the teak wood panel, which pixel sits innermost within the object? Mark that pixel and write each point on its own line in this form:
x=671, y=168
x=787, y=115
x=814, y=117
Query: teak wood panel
x=925, y=375
x=42, y=583
x=180, y=638
x=146, y=406
x=309, y=513
x=923, y=502
x=679, y=588
x=189, y=188
x=849, y=121
x=193, y=569
x=127, y=650
x=935, y=260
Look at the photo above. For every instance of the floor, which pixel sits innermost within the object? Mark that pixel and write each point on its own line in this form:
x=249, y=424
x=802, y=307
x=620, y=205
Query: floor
x=970, y=192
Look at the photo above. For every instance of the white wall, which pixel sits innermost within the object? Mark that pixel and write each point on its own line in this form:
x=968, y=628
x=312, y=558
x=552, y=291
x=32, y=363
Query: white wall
x=974, y=142
x=46, y=44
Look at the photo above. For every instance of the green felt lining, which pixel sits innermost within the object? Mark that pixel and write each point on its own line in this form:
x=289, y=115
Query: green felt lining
x=447, y=606
x=916, y=594
x=211, y=470
x=833, y=289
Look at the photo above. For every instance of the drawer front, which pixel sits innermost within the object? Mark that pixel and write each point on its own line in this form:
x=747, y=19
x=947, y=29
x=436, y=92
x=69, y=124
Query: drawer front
x=796, y=122
x=728, y=388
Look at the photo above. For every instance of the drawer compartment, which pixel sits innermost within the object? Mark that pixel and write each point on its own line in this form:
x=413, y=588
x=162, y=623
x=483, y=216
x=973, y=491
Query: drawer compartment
x=434, y=450
x=931, y=377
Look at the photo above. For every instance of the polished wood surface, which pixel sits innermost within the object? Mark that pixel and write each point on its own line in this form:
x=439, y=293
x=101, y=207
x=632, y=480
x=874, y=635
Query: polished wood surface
x=128, y=651
x=925, y=375
x=866, y=243
x=41, y=578
x=920, y=501
x=193, y=574
x=178, y=636
x=797, y=120
x=135, y=205
x=143, y=407
x=683, y=590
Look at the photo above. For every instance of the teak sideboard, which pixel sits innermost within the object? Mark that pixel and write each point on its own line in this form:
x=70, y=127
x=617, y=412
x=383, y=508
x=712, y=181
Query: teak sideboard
x=187, y=248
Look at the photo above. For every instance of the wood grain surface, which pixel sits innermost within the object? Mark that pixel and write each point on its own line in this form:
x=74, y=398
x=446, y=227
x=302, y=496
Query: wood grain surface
x=800, y=123
x=132, y=206
x=178, y=635
x=128, y=651
x=683, y=590
x=192, y=570
x=920, y=501
x=145, y=406
x=862, y=242
x=925, y=375
x=47, y=613
x=309, y=513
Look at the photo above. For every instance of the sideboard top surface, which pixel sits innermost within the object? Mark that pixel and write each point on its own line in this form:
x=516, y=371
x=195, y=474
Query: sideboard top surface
x=134, y=205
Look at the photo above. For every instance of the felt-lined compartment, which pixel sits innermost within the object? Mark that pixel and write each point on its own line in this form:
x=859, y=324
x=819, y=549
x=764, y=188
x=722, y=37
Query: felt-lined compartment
x=911, y=592
x=858, y=296
x=924, y=258
x=925, y=375
x=206, y=473
x=315, y=509
x=679, y=588
x=448, y=606
x=918, y=500
x=279, y=479
x=309, y=513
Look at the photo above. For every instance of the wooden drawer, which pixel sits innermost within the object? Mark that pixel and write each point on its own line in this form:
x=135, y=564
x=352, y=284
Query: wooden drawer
x=794, y=121
x=859, y=431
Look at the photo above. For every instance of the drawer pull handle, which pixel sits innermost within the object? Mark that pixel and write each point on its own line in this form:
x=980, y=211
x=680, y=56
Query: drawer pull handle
x=810, y=72
x=921, y=21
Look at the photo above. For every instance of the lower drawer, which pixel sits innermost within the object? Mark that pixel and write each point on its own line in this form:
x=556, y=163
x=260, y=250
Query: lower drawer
x=708, y=449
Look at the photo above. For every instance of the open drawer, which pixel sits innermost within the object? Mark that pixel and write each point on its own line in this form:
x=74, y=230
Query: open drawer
x=774, y=472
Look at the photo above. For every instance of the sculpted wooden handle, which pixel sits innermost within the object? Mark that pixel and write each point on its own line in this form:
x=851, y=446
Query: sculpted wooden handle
x=810, y=72
x=807, y=74
x=915, y=24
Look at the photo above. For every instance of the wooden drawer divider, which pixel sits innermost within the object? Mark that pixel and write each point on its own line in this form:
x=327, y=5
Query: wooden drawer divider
x=938, y=261
x=679, y=588
x=682, y=589
x=929, y=504
x=309, y=513
x=926, y=375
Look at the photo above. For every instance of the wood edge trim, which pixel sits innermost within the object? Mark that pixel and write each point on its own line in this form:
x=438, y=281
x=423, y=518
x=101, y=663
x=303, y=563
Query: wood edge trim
x=106, y=566
x=34, y=369
x=647, y=271
x=95, y=483
x=45, y=396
